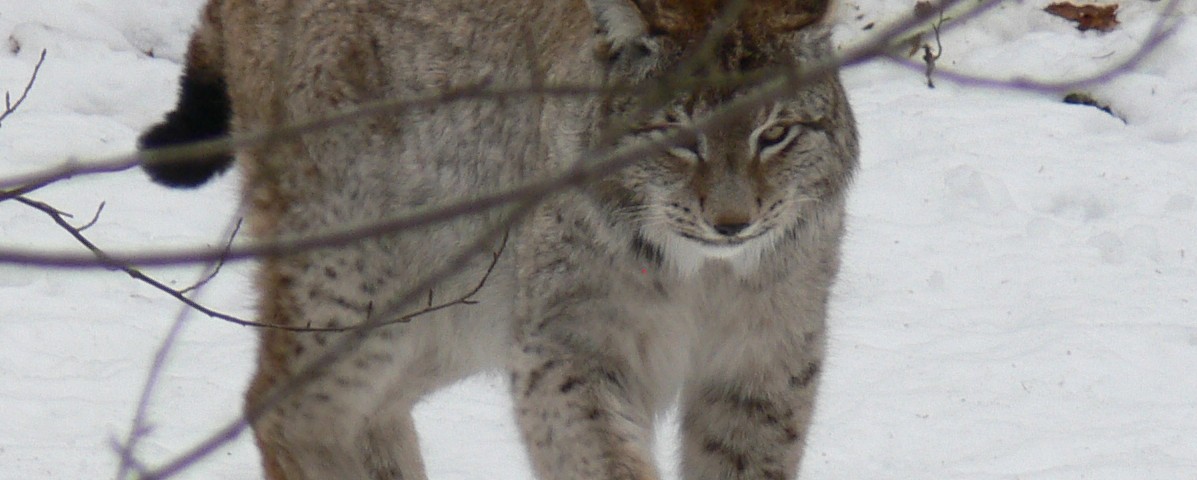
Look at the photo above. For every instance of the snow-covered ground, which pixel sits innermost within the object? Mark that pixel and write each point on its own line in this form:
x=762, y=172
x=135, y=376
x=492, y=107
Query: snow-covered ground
x=1018, y=298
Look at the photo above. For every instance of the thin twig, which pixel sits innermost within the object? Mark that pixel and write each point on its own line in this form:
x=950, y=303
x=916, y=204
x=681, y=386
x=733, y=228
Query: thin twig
x=139, y=426
x=930, y=58
x=9, y=106
x=219, y=262
x=9, y=109
x=94, y=218
x=77, y=232
x=464, y=299
x=114, y=264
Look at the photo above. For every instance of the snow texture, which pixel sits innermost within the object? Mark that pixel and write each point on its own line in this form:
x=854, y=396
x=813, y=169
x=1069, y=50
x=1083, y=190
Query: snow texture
x=1017, y=299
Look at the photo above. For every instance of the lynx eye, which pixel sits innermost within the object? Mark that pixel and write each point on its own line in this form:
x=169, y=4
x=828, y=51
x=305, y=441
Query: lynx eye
x=686, y=154
x=684, y=148
x=687, y=149
x=772, y=136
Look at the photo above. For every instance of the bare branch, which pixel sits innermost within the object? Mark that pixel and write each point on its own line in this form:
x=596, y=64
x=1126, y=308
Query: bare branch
x=391, y=107
x=9, y=109
x=930, y=58
x=94, y=218
x=139, y=427
x=75, y=167
x=10, y=106
x=464, y=299
x=113, y=264
x=219, y=262
x=77, y=232
x=22, y=190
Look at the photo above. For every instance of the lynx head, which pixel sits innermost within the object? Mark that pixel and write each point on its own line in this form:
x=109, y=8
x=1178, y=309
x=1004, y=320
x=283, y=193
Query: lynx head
x=733, y=191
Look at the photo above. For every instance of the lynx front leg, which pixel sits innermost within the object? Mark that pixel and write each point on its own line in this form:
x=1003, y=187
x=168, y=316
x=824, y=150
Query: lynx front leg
x=579, y=415
x=748, y=429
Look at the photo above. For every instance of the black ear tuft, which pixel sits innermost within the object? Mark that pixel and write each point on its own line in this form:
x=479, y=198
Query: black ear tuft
x=203, y=113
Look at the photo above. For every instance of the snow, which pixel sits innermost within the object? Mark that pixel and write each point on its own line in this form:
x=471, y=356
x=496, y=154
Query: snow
x=1017, y=298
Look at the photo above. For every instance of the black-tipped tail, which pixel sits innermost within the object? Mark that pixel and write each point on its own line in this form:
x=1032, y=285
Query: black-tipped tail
x=203, y=113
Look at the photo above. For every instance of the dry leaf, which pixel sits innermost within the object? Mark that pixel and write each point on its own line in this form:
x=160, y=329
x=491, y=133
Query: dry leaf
x=1088, y=17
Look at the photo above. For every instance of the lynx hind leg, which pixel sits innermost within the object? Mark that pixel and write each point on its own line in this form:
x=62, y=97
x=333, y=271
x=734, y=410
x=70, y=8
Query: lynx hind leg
x=383, y=449
x=342, y=425
x=354, y=420
x=748, y=429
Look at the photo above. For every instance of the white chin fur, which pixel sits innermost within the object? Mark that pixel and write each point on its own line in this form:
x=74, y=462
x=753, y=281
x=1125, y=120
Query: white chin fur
x=687, y=256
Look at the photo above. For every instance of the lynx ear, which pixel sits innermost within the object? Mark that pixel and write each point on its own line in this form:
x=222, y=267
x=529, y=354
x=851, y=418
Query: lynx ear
x=621, y=28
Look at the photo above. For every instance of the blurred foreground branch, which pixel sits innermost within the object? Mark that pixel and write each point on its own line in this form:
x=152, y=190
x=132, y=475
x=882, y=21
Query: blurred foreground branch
x=540, y=188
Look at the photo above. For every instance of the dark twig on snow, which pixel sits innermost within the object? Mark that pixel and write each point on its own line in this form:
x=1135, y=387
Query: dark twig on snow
x=94, y=218
x=930, y=58
x=61, y=217
x=11, y=106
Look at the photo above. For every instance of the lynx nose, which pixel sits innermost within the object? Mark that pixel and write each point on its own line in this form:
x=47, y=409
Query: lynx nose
x=730, y=229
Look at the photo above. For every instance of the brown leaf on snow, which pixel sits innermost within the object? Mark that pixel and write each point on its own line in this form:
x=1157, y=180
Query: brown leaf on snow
x=1102, y=18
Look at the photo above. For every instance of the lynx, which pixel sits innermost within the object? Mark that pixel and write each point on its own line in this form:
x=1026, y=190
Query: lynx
x=698, y=275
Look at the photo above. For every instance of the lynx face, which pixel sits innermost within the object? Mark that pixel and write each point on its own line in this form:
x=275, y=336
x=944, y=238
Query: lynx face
x=735, y=189
x=732, y=192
